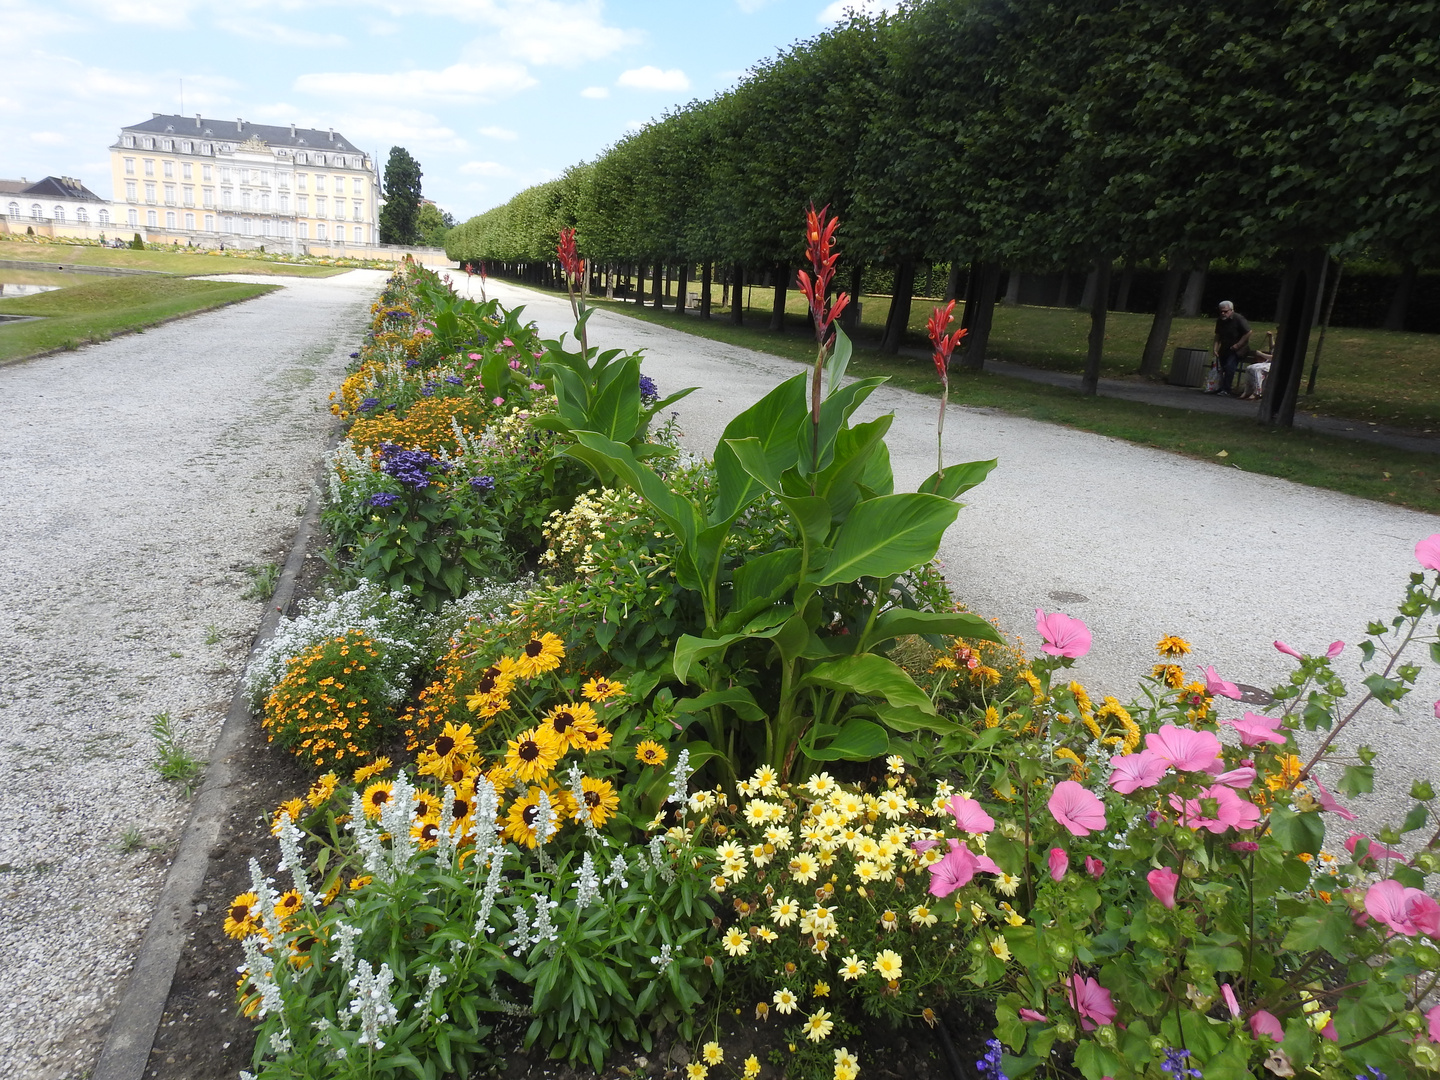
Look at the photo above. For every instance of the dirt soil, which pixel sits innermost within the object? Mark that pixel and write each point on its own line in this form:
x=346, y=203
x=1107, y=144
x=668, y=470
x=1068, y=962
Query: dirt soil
x=202, y=1035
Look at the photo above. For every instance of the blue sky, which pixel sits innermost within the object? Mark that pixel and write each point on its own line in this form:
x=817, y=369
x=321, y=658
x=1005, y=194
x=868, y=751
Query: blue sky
x=490, y=96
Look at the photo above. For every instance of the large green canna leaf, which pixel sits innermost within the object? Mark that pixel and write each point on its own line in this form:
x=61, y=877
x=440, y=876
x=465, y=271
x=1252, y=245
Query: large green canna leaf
x=886, y=536
x=898, y=622
x=773, y=420
x=690, y=650
x=857, y=740
x=835, y=410
x=958, y=479
x=867, y=673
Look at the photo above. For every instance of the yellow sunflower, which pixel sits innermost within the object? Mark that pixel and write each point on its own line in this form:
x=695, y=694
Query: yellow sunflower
x=521, y=820
x=567, y=722
x=594, y=738
x=243, y=917
x=375, y=768
x=288, y=906
x=533, y=754
x=651, y=753
x=322, y=789
x=376, y=797
x=541, y=653
x=601, y=798
x=602, y=689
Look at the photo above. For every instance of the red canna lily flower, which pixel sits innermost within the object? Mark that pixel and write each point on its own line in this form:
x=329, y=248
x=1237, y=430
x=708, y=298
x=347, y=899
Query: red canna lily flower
x=819, y=236
x=944, y=343
x=570, y=254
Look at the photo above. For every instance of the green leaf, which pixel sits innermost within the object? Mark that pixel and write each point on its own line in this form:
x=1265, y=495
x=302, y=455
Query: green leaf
x=1298, y=833
x=812, y=517
x=773, y=420
x=886, y=536
x=898, y=622
x=737, y=699
x=907, y=719
x=1330, y=931
x=1357, y=780
x=1219, y=957
x=958, y=479
x=867, y=673
x=761, y=582
x=750, y=453
x=689, y=650
x=857, y=740
x=838, y=360
x=835, y=409
x=1415, y=819
x=1094, y=1061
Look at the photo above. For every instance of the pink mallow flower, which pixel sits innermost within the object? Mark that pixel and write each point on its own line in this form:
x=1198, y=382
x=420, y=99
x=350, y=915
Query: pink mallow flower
x=1328, y=802
x=1091, y=1001
x=1266, y=1023
x=1231, y=811
x=1094, y=867
x=1218, y=687
x=1255, y=730
x=1336, y=648
x=1162, y=885
x=1433, y=1019
x=1405, y=910
x=1187, y=750
x=1031, y=1014
x=1132, y=771
x=1228, y=993
x=969, y=815
x=1062, y=635
x=1427, y=551
x=957, y=868
x=1078, y=810
x=1240, y=778
x=1374, y=851
x=1059, y=863
x=1288, y=651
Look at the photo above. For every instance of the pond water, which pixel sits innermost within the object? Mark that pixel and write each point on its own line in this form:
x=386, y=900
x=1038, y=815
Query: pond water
x=9, y=290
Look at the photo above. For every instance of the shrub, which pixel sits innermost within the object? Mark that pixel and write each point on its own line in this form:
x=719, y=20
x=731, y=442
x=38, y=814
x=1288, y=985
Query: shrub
x=330, y=708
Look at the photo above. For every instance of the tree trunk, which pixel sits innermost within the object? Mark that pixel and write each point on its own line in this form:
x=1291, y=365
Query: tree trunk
x=1122, y=294
x=1099, y=305
x=898, y=320
x=707, y=272
x=610, y=281
x=725, y=288
x=986, y=276
x=1092, y=280
x=1194, y=292
x=972, y=293
x=682, y=285
x=952, y=286
x=659, y=295
x=1152, y=360
x=1012, y=289
x=1299, y=299
x=777, y=312
x=1400, y=299
x=850, y=317
x=1324, y=326
x=737, y=295
x=1063, y=290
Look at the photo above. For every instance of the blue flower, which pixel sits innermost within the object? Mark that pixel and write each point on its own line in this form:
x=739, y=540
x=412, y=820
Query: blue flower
x=412, y=363
x=1174, y=1065
x=354, y=356
x=369, y=403
x=989, y=1065
x=482, y=484
x=428, y=389
x=1370, y=1073
x=648, y=390
x=454, y=380
x=383, y=499
x=411, y=467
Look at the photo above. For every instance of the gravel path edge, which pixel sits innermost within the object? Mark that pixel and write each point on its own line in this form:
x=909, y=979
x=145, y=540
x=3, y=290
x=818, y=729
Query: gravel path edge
x=125, y=1053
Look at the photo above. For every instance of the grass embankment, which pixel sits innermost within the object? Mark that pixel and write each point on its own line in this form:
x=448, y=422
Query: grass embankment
x=1042, y=337
x=1369, y=375
x=180, y=262
x=105, y=306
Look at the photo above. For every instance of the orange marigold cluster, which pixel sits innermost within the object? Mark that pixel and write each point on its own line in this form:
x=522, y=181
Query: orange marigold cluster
x=426, y=425
x=322, y=710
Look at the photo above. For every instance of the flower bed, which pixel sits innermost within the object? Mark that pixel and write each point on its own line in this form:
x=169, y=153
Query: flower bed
x=736, y=752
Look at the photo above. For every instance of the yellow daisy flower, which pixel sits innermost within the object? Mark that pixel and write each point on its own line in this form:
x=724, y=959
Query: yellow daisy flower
x=712, y=1053
x=542, y=653
x=1172, y=647
x=521, y=820
x=735, y=943
x=785, y=1001
x=852, y=967
x=818, y=1025
x=602, y=689
x=650, y=752
x=752, y=1067
x=887, y=964
x=921, y=915
x=695, y=1071
x=1000, y=948
x=533, y=754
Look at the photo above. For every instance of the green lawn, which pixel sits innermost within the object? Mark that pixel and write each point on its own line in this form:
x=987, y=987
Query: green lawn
x=1356, y=468
x=1381, y=375
x=181, y=262
x=104, y=306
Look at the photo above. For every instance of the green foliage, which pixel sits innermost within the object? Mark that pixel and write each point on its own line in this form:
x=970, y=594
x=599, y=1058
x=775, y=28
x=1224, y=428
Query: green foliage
x=137, y=244
x=399, y=217
x=263, y=580
x=175, y=764
x=433, y=224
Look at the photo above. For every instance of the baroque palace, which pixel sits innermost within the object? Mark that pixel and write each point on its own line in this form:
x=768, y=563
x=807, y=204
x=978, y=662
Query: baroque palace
x=230, y=181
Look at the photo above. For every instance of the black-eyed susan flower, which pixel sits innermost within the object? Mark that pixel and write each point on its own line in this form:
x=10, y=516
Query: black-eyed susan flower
x=602, y=689
x=594, y=738
x=242, y=918
x=291, y=808
x=321, y=790
x=650, y=752
x=452, y=743
x=568, y=722
x=376, y=797
x=426, y=832
x=522, y=820
x=533, y=754
x=289, y=905
x=375, y=768
x=601, y=800
x=542, y=653
x=1172, y=675
x=1172, y=647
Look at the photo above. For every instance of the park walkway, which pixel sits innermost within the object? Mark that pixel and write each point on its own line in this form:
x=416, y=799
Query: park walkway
x=142, y=478
x=1135, y=541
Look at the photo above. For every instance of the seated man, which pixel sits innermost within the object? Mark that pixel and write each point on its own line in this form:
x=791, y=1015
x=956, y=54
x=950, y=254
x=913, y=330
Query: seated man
x=1232, y=341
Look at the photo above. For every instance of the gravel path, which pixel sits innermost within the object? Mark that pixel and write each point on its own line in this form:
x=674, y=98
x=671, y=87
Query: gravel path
x=1135, y=541
x=142, y=478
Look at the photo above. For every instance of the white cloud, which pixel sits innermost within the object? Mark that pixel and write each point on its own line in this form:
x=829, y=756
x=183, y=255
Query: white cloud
x=840, y=9
x=169, y=14
x=562, y=32
x=380, y=127
x=277, y=34
x=652, y=78
x=486, y=168
x=48, y=138
x=751, y=6
x=634, y=125
x=458, y=82
x=498, y=133
x=595, y=92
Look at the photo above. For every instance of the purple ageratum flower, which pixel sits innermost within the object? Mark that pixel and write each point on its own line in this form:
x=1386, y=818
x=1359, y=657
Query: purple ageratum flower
x=989, y=1065
x=454, y=380
x=648, y=390
x=369, y=403
x=1175, y=1066
x=382, y=499
x=412, y=363
x=354, y=356
x=411, y=467
x=482, y=484
x=428, y=389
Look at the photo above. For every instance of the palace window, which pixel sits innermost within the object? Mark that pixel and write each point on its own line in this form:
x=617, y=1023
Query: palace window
x=168, y=167
x=60, y=214
x=147, y=143
x=167, y=145
x=188, y=193
x=150, y=192
x=304, y=228
x=82, y=215
x=152, y=219
x=129, y=166
x=169, y=194
x=340, y=233
x=265, y=201
x=320, y=206
x=208, y=195
x=130, y=191
x=14, y=209
x=209, y=222
x=36, y=212
x=320, y=231
x=104, y=217
x=187, y=170
x=319, y=182
x=302, y=204
x=284, y=204
x=133, y=216
x=189, y=221
x=169, y=219
x=357, y=215
x=127, y=140
x=205, y=172
x=149, y=166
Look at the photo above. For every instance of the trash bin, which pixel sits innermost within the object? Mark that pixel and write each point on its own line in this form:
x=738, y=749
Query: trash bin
x=1187, y=368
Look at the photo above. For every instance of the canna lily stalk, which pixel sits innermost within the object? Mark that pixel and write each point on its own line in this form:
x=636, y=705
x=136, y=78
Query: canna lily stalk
x=944, y=344
x=819, y=234
x=574, y=268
